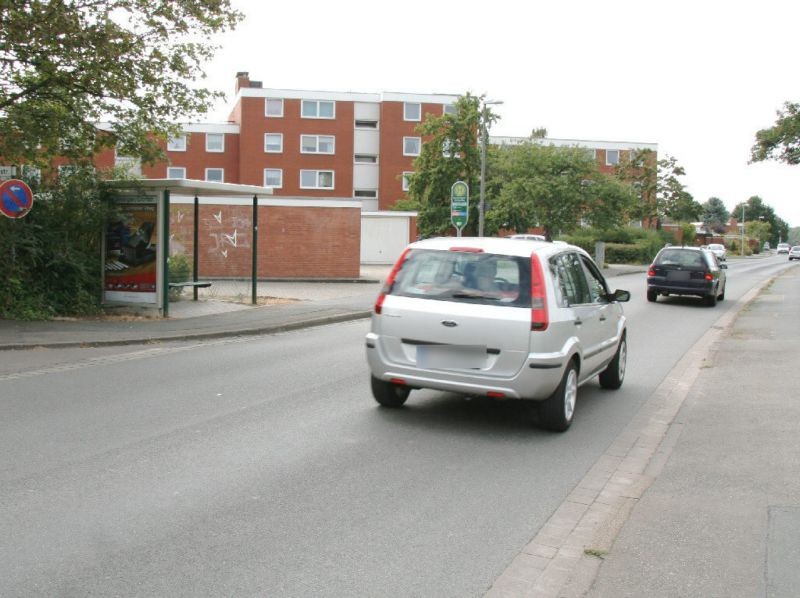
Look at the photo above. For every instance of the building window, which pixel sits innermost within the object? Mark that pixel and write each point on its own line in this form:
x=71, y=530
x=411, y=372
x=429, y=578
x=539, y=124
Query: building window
x=316, y=179
x=273, y=108
x=176, y=172
x=366, y=124
x=365, y=193
x=366, y=158
x=447, y=148
x=318, y=109
x=176, y=144
x=317, y=144
x=612, y=157
x=407, y=180
x=215, y=175
x=591, y=154
x=450, y=109
x=215, y=142
x=273, y=143
x=412, y=111
x=411, y=146
x=273, y=177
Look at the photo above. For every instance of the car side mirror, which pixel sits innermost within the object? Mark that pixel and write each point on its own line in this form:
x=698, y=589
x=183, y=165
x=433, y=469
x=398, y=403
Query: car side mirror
x=723, y=266
x=619, y=295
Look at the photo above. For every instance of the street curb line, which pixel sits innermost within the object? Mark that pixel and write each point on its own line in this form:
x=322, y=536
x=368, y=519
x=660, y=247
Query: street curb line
x=273, y=329
x=564, y=558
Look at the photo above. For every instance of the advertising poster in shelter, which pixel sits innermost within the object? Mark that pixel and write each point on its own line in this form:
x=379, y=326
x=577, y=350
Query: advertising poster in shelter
x=130, y=254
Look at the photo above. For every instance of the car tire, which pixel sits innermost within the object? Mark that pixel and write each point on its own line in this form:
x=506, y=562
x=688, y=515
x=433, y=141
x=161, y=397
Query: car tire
x=710, y=300
x=388, y=394
x=652, y=296
x=557, y=411
x=613, y=376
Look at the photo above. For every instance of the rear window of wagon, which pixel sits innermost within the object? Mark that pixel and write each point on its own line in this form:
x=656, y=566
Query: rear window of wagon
x=465, y=277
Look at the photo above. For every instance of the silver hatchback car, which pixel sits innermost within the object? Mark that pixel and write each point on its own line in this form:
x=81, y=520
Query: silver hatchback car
x=502, y=318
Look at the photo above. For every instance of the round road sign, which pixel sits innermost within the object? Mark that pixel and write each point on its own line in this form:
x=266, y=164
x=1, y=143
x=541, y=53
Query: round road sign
x=16, y=198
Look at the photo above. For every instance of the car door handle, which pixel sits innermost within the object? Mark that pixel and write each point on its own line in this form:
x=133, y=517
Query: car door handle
x=602, y=318
x=578, y=322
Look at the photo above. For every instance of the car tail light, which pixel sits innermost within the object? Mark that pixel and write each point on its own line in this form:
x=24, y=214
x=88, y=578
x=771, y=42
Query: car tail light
x=651, y=271
x=708, y=276
x=540, y=318
x=492, y=394
x=398, y=381
x=387, y=286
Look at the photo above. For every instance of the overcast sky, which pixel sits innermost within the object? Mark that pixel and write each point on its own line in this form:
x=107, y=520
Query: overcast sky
x=698, y=78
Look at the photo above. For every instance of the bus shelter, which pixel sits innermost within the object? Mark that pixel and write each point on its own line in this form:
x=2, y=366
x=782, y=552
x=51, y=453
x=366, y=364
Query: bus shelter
x=136, y=244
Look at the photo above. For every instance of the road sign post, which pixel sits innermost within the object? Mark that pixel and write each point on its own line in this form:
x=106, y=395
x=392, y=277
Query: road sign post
x=16, y=198
x=459, y=205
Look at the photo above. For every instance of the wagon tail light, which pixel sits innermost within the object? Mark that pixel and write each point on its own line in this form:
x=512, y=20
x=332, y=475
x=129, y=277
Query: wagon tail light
x=708, y=276
x=651, y=271
x=387, y=286
x=540, y=318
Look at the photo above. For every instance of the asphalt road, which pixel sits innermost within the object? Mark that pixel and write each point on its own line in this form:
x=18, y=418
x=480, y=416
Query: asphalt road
x=263, y=466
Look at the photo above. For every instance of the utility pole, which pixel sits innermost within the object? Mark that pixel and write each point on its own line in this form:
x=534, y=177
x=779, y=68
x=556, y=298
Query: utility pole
x=484, y=115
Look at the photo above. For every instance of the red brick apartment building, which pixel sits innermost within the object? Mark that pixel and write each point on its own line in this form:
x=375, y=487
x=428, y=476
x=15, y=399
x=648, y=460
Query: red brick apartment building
x=336, y=162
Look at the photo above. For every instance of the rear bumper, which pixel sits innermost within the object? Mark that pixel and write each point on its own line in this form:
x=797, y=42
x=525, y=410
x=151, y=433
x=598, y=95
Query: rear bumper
x=536, y=380
x=680, y=288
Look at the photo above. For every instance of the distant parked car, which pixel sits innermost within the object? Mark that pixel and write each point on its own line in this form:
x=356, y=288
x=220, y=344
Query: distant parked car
x=783, y=248
x=718, y=249
x=794, y=253
x=766, y=246
x=499, y=318
x=687, y=271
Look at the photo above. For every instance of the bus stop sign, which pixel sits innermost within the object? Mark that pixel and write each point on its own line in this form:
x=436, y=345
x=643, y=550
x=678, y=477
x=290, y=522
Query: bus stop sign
x=16, y=198
x=459, y=205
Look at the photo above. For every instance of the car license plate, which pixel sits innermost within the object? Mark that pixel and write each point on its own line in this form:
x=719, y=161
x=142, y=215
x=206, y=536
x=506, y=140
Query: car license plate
x=447, y=357
x=678, y=275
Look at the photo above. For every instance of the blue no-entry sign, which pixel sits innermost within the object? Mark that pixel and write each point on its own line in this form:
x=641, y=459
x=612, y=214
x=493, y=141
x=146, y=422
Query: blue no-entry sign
x=16, y=198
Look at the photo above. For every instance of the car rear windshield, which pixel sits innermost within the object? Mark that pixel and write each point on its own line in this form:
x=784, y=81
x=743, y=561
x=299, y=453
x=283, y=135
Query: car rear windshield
x=481, y=278
x=681, y=257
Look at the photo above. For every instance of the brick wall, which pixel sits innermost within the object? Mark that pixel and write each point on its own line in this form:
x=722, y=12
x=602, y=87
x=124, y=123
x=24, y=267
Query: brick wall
x=294, y=242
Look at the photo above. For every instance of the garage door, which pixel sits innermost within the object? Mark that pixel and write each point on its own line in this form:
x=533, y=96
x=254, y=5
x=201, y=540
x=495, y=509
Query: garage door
x=383, y=238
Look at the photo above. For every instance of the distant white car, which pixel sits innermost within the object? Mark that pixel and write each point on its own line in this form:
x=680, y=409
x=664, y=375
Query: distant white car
x=718, y=249
x=783, y=248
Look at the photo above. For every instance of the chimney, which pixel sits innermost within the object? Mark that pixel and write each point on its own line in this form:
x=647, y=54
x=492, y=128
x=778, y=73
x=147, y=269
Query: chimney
x=242, y=80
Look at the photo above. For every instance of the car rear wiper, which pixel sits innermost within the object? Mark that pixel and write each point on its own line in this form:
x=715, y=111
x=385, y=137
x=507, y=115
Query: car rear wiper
x=474, y=296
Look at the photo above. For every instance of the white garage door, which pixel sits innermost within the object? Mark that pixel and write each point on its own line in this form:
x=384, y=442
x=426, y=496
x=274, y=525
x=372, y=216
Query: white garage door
x=383, y=238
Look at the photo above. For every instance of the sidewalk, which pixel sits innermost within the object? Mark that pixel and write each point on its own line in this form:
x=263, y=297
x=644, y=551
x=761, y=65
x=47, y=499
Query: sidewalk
x=304, y=304
x=722, y=517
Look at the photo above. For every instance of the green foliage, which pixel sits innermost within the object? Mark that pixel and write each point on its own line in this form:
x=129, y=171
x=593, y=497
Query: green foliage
x=624, y=245
x=756, y=210
x=435, y=170
x=780, y=142
x=65, y=66
x=53, y=255
x=552, y=187
x=689, y=233
x=180, y=270
x=715, y=215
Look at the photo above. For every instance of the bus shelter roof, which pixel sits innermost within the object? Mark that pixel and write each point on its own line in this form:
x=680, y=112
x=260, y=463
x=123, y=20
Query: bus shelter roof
x=190, y=187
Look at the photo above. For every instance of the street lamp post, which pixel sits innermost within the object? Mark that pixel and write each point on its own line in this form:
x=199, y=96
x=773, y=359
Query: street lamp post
x=742, y=248
x=484, y=135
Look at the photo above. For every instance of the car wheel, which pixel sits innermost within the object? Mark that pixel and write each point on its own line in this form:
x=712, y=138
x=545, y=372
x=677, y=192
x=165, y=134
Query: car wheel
x=556, y=412
x=652, y=295
x=614, y=374
x=388, y=394
x=710, y=300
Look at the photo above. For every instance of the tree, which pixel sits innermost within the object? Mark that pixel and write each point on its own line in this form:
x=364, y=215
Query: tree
x=672, y=197
x=540, y=185
x=450, y=153
x=67, y=65
x=640, y=170
x=780, y=142
x=758, y=229
x=756, y=209
x=715, y=215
